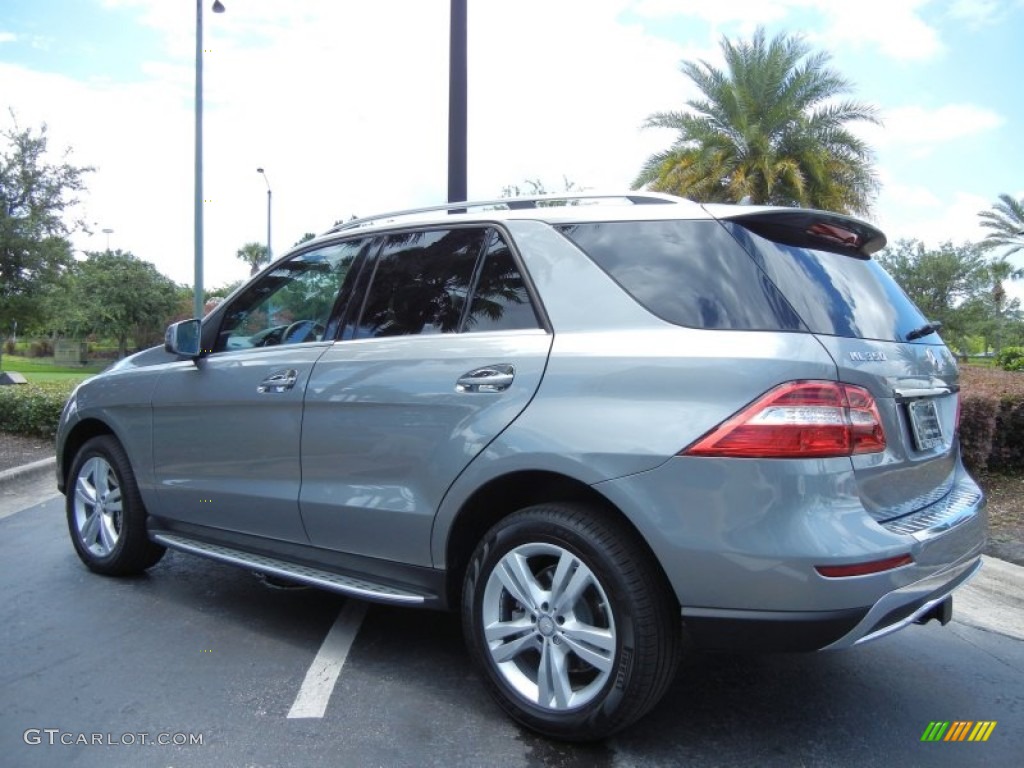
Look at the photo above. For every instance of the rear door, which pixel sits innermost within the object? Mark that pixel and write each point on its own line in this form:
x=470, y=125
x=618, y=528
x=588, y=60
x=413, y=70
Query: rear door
x=446, y=349
x=878, y=339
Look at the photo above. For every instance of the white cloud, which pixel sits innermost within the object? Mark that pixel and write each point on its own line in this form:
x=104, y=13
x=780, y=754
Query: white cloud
x=976, y=12
x=345, y=106
x=895, y=27
x=8, y=37
x=921, y=130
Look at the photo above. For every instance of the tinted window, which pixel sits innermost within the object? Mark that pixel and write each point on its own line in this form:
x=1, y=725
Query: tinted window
x=420, y=283
x=292, y=304
x=500, y=300
x=691, y=273
x=836, y=294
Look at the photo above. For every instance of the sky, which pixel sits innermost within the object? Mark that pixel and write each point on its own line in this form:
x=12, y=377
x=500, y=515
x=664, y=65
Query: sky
x=345, y=105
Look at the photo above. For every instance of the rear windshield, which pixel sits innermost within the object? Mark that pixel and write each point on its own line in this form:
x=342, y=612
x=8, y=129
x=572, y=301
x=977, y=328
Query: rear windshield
x=690, y=273
x=835, y=294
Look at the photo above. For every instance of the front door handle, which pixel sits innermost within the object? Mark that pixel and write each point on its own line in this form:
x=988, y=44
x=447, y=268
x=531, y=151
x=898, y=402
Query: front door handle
x=278, y=381
x=490, y=378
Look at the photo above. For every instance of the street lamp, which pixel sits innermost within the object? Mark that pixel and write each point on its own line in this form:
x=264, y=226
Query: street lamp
x=261, y=172
x=108, y=232
x=197, y=307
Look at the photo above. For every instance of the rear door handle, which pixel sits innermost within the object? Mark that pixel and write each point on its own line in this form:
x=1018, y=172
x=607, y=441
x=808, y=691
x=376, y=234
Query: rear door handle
x=278, y=381
x=490, y=378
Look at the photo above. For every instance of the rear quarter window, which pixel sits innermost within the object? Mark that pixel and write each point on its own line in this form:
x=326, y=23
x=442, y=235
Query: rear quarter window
x=691, y=273
x=835, y=294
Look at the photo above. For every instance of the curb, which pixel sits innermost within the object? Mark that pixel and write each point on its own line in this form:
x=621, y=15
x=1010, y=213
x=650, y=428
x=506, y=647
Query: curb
x=29, y=472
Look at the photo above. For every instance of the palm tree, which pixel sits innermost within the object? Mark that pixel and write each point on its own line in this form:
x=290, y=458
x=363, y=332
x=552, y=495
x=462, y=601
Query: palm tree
x=1006, y=220
x=769, y=129
x=1000, y=270
x=253, y=254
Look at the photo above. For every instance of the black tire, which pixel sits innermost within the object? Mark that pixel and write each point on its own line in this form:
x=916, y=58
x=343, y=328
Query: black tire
x=106, y=516
x=624, y=621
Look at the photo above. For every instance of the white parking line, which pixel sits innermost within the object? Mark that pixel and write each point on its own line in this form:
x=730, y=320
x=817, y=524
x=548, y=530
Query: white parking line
x=323, y=672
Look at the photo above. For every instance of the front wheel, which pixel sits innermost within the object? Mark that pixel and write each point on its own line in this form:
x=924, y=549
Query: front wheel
x=576, y=632
x=106, y=517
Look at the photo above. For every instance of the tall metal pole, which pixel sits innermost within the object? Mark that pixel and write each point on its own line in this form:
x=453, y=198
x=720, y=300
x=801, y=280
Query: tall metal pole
x=457, y=100
x=270, y=253
x=197, y=306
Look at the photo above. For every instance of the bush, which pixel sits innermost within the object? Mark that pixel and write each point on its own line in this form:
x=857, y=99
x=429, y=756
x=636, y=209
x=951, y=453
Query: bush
x=9, y=347
x=40, y=349
x=33, y=409
x=992, y=419
x=1011, y=359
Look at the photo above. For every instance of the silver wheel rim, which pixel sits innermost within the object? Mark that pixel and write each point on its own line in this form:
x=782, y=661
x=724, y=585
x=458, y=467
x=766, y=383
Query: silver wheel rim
x=549, y=626
x=98, y=517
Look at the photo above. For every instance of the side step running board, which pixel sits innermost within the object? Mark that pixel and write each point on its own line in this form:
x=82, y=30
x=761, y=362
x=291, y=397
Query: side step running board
x=348, y=585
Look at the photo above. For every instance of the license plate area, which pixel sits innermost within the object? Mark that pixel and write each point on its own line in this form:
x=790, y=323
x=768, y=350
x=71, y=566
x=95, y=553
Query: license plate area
x=924, y=423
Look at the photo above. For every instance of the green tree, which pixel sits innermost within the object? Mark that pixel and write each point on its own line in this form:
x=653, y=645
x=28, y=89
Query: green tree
x=116, y=294
x=769, y=129
x=1004, y=309
x=950, y=284
x=255, y=255
x=1006, y=222
x=36, y=198
x=306, y=238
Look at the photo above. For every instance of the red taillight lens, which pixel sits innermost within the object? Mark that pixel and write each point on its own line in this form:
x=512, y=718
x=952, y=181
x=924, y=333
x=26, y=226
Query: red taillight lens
x=799, y=420
x=863, y=569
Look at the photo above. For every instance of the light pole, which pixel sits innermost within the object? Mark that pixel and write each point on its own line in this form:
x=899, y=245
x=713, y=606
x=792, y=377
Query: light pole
x=261, y=172
x=457, y=103
x=197, y=307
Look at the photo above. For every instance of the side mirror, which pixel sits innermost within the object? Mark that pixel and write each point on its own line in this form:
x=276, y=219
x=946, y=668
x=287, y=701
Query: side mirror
x=182, y=338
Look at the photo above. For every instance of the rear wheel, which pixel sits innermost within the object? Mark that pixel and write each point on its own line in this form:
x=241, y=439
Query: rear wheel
x=106, y=517
x=576, y=633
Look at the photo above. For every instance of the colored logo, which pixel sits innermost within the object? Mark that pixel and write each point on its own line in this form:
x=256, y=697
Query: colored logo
x=958, y=730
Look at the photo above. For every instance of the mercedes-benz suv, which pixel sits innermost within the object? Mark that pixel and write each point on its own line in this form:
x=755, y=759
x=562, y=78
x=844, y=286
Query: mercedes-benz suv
x=592, y=428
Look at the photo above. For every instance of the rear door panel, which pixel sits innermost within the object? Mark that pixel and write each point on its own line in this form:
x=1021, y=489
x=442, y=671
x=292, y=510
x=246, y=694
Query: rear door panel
x=386, y=431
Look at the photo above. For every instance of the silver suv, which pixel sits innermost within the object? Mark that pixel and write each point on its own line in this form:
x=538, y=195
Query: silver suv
x=591, y=427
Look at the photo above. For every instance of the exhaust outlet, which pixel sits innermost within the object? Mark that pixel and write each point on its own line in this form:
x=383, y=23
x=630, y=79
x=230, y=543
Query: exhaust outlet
x=943, y=613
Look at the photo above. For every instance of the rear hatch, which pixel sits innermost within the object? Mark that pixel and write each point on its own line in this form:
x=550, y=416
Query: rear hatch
x=878, y=339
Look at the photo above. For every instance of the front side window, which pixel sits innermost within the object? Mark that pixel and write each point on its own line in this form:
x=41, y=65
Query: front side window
x=292, y=304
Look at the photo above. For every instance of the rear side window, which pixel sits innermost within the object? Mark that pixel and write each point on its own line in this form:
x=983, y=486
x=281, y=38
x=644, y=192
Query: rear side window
x=691, y=273
x=420, y=283
x=835, y=294
x=500, y=300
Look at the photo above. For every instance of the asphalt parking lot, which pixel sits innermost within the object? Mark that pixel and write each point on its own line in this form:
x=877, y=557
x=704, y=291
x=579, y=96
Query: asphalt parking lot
x=201, y=650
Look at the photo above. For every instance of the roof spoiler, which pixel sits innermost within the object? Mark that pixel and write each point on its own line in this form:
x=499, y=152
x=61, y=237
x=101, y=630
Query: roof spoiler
x=814, y=229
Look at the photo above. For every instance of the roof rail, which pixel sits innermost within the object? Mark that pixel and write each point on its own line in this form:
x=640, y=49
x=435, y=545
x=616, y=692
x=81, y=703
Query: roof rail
x=512, y=203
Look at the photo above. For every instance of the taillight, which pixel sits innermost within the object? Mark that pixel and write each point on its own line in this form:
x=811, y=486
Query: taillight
x=799, y=420
x=863, y=569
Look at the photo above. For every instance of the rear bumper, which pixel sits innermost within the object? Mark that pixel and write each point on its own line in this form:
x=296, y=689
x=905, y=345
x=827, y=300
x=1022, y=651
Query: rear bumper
x=780, y=631
x=741, y=542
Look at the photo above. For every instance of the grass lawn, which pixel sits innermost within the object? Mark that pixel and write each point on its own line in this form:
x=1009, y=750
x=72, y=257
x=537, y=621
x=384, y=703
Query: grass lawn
x=44, y=369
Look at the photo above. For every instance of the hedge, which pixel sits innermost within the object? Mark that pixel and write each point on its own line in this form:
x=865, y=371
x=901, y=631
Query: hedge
x=33, y=409
x=992, y=419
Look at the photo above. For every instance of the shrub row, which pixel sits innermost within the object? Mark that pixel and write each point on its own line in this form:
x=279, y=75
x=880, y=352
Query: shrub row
x=33, y=409
x=1011, y=359
x=992, y=419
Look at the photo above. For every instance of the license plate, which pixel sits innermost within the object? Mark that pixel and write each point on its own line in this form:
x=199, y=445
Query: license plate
x=924, y=422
